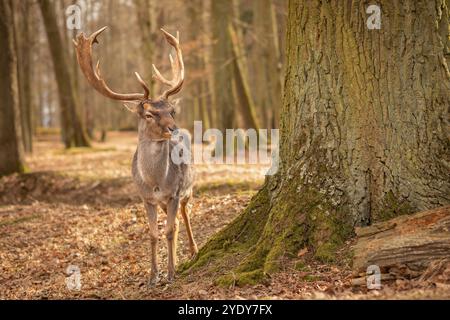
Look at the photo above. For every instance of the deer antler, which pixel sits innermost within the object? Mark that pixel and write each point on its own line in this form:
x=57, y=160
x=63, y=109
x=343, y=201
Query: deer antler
x=83, y=47
x=177, y=67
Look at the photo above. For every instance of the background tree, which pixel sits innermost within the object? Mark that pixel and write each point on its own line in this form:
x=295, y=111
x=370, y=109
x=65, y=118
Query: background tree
x=11, y=153
x=74, y=134
x=267, y=61
x=362, y=139
x=222, y=13
x=144, y=19
x=196, y=63
x=24, y=47
x=220, y=85
x=244, y=98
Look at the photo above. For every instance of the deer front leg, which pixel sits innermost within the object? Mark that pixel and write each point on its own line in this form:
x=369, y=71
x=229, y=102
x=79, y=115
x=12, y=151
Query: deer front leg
x=187, y=221
x=153, y=220
x=172, y=236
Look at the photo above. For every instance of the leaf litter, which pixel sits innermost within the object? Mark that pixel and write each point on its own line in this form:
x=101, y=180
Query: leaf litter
x=81, y=208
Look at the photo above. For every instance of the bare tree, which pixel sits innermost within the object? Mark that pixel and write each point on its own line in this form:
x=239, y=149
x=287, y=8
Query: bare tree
x=144, y=18
x=267, y=61
x=222, y=13
x=74, y=134
x=11, y=153
x=242, y=86
x=197, y=62
x=24, y=50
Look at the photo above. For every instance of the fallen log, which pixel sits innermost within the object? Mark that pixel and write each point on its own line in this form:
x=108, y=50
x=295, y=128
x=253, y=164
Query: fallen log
x=406, y=244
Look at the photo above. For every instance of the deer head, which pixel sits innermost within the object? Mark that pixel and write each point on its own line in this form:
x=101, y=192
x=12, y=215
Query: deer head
x=157, y=114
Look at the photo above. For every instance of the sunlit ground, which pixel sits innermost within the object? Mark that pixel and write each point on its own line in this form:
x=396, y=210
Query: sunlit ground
x=81, y=208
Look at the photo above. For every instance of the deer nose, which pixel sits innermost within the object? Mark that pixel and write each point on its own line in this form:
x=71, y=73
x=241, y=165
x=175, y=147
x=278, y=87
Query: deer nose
x=172, y=128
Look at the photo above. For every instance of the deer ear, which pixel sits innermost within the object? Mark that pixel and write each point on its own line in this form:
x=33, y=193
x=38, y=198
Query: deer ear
x=176, y=104
x=132, y=106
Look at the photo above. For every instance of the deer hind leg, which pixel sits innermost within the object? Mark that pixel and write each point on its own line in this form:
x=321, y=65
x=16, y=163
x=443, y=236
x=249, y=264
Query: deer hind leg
x=187, y=222
x=171, y=231
x=153, y=221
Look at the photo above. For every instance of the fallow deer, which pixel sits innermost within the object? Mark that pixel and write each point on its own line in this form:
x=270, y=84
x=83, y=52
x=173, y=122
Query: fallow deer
x=159, y=180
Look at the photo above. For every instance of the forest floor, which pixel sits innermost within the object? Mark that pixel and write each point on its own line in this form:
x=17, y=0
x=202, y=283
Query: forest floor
x=80, y=208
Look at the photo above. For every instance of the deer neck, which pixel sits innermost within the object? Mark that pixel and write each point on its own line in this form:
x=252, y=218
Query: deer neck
x=153, y=157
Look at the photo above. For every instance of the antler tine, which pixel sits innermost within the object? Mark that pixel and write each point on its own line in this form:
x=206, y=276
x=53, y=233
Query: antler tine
x=158, y=76
x=83, y=47
x=177, y=67
x=144, y=85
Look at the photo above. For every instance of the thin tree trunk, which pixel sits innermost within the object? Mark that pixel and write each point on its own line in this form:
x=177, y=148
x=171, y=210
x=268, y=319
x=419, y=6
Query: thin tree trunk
x=144, y=18
x=267, y=61
x=364, y=134
x=194, y=11
x=244, y=95
x=210, y=101
x=222, y=12
x=74, y=131
x=11, y=153
x=23, y=45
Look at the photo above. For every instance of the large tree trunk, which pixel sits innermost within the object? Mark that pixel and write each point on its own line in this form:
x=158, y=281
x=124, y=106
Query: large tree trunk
x=72, y=126
x=11, y=153
x=363, y=133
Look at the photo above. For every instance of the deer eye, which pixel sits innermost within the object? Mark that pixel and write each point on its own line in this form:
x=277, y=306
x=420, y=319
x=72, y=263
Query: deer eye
x=148, y=116
x=173, y=113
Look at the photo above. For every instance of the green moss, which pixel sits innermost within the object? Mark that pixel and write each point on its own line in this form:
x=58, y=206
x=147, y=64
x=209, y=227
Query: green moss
x=326, y=252
x=241, y=279
x=328, y=228
x=202, y=260
x=393, y=207
x=24, y=168
x=301, y=266
x=237, y=237
x=310, y=278
x=268, y=233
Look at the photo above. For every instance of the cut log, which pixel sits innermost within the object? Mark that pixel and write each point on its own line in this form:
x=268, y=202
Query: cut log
x=411, y=242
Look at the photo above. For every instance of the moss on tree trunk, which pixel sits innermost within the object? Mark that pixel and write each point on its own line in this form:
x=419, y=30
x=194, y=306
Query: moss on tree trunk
x=363, y=134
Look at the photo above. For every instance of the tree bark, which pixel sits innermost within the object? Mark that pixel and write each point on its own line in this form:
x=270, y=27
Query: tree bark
x=11, y=153
x=73, y=128
x=364, y=134
x=195, y=9
x=242, y=86
x=267, y=60
x=222, y=12
x=408, y=242
x=144, y=18
x=23, y=45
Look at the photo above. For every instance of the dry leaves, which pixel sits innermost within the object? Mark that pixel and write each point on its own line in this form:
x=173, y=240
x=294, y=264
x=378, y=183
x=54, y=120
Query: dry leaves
x=80, y=208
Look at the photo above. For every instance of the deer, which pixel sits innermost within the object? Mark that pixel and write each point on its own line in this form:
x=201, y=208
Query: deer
x=160, y=182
